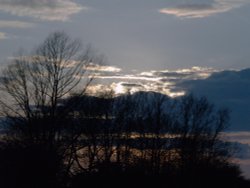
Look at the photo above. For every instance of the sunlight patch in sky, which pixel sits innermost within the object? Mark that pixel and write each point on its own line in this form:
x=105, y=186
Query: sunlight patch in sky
x=163, y=81
x=118, y=88
x=102, y=68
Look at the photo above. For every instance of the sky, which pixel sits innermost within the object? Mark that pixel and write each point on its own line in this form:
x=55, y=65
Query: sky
x=136, y=34
x=169, y=46
x=173, y=47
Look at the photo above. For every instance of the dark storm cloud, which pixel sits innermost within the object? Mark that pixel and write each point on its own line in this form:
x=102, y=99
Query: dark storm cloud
x=228, y=89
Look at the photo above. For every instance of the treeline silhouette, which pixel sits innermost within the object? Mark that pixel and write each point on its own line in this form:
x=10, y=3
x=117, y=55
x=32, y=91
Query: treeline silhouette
x=53, y=139
x=133, y=140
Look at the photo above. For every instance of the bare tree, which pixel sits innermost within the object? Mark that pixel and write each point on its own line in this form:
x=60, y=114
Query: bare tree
x=199, y=127
x=34, y=85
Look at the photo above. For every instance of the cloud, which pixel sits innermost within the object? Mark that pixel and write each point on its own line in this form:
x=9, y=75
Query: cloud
x=223, y=88
x=15, y=24
x=51, y=10
x=242, y=137
x=228, y=89
x=201, y=9
x=241, y=140
x=102, y=68
x=192, y=73
x=3, y=36
x=164, y=81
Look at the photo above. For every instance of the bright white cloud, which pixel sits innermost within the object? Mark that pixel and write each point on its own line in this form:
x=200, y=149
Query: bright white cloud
x=192, y=73
x=102, y=68
x=201, y=9
x=164, y=81
x=52, y=10
x=118, y=88
x=15, y=24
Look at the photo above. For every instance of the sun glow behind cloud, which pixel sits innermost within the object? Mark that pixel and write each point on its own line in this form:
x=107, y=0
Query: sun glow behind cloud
x=168, y=82
x=164, y=81
x=102, y=68
x=118, y=88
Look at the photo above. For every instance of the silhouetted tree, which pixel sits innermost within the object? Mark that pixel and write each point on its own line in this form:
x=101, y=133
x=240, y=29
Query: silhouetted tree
x=32, y=89
x=160, y=142
x=35, y=84
x=30, y=165
x=199, y=127
x=58, y=140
